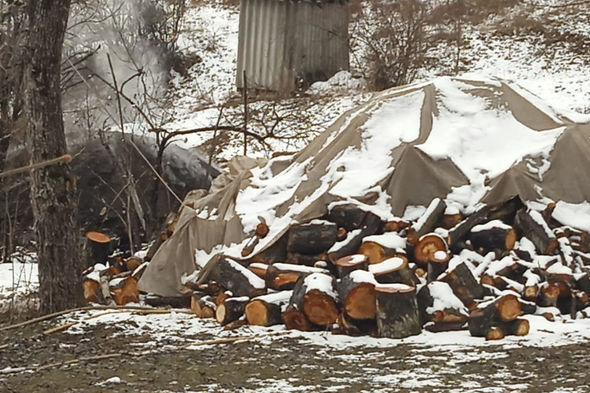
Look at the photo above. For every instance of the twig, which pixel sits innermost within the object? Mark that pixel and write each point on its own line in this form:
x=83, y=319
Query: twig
x=65, y=159
x=59, y=313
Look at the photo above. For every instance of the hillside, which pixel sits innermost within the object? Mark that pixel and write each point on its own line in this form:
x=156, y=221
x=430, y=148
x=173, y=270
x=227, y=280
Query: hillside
x=540, y=45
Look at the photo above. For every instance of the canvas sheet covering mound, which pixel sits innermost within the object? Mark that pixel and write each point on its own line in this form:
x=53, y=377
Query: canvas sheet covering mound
x=468, y=141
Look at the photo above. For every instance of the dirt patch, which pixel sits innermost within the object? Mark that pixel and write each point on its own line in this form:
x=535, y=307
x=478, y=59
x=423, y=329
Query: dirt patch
x=279, y=364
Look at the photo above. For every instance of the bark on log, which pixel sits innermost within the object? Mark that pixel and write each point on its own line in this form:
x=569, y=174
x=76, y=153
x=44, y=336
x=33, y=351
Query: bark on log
x=312, y=238
x=349, y=217
x=464, y=284
x=459, y=232
x=303, y=259
x=357, y=294
x=231, y=309
x=284, y=276
x=548, y=295
x=431, y=217
x=168, y=301
x=397, y=311
x=394, y=270
x=235, y=278
x=99, y=246
x=532, y=225
x=266, y=310
x=316, y=297
x=437, y=327
x=348, y=264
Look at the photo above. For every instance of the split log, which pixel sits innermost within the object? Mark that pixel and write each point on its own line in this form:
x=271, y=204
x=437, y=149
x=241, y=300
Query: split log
x=394, y=270
x=315, y=296
x=235, y=278
x=124, y=290
x=313, y=238
x=99, y=245
x=463, y=284
x=437, y=303
x=266, y=310
x=380, y=247
x=357, y=293
x=92, y=291
x=530, y=223
x=250, y=246
x=494, y=235
x=231, y=309
x=431, y=217
x=486, y=317
x=459, y=232
x=284, y=276
x=346, y=265
x=202, y=305
x=397, y=311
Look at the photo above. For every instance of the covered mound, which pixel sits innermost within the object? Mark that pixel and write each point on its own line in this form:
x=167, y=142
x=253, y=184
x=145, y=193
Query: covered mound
x=467, y=142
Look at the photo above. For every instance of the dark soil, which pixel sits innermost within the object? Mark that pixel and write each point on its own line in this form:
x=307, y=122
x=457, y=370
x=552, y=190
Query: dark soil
x=281, y=365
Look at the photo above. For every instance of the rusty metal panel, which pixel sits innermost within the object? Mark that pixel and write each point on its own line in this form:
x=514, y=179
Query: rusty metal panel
x=286, y=43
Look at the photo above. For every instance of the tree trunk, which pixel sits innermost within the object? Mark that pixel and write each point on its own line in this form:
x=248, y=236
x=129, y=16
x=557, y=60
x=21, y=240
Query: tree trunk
x=53, y=187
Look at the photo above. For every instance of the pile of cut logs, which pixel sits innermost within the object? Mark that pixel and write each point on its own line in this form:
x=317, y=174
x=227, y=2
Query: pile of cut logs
x=355, y=274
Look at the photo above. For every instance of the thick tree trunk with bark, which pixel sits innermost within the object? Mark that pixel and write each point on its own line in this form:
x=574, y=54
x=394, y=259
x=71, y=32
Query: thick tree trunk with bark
x=52, y=187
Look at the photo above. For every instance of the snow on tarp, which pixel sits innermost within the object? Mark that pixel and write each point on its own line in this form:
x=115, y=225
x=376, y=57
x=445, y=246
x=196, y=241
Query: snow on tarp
x=452, y=138
x=574, y=215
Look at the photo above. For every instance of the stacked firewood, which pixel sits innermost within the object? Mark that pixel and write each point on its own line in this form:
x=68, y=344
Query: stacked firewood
x=356, y=274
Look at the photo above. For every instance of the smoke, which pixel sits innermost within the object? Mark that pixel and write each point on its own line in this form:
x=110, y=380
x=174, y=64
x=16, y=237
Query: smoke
x=100, y=30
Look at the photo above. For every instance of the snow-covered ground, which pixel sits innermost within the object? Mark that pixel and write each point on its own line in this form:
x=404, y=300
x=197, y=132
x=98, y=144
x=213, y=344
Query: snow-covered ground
x=18, y=281
x=555, y=71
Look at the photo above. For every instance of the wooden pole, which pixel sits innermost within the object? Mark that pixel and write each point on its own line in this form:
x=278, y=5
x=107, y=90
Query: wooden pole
x=245, y=95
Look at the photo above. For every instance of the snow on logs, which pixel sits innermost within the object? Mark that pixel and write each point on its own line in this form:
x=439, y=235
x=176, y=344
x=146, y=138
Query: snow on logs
x=353, y=273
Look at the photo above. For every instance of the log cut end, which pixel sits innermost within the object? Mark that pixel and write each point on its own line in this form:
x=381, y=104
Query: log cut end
x=360, y=302
x=320, y=308
x=295, y=319
x=508, y=307
x=431, y=248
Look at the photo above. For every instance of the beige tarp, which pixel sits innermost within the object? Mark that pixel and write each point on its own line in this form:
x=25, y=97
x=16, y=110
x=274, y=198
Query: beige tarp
x=414, y=178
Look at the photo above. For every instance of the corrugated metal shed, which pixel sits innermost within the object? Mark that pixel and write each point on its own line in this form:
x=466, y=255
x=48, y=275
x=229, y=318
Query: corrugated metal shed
x=287, y=44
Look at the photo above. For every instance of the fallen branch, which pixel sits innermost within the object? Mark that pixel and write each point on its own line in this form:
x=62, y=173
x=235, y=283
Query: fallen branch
x=61, y=159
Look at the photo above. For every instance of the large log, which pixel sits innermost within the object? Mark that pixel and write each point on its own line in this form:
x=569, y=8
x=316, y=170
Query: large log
x=397, y=311
x=231, y=309
x=380, y=247
x=283, y=276
x=313, y=238
x=266, y=310
x=203, y=305
x=348, y=216
x=356, y=327
x=357, y=294
x=494, y=235
x=530, y=223
x=236, y=278
x=316, y=297
x=459, y=232
x=394, y=270
x=463, y=284
x=99, y=247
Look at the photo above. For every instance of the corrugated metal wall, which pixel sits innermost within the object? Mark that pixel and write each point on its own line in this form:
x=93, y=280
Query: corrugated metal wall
x=284, y=43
